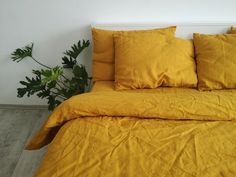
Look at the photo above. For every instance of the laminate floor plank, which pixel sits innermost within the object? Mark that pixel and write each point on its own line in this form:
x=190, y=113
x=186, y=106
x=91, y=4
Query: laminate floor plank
x=29, y=160
x=16, y=126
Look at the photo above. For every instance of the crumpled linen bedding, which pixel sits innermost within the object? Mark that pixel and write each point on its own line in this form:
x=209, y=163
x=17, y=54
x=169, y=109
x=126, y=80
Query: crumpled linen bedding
x=167, y=132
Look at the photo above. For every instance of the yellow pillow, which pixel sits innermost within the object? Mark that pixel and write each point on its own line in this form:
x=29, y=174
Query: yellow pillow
x=103, y=55
x=216, y=61
x=103, y=52
x=232, y=30
x=150, y=60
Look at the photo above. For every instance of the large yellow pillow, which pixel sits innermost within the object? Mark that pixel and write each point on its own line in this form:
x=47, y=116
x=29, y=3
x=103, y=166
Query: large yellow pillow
x=150, y=60
x=103, y=52
x=232, y=30
x=103, y=55
x=216, y=61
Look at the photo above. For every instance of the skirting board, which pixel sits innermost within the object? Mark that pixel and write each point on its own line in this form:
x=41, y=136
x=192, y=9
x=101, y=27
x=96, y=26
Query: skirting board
x=22, y=107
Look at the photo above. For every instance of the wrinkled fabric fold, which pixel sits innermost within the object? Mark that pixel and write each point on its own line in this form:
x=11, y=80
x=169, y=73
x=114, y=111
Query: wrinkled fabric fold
x=188, y=104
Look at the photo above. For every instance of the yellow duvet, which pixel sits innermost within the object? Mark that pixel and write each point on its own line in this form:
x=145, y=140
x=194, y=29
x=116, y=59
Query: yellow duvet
x=166, y=132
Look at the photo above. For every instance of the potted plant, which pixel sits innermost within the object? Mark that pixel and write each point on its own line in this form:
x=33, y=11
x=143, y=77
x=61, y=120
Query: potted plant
x=51, y=83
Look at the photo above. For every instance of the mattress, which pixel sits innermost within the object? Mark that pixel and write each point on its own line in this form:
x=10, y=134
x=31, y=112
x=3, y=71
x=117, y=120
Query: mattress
x=155, y=132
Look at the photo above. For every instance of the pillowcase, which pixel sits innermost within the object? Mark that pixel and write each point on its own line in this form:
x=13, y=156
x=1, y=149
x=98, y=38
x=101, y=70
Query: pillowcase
x=232, y=30
x=103, y=52
x=216, y=61
x=103, y=55
x=150, y=60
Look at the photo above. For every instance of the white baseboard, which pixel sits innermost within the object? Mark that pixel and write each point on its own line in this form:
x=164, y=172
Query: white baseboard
x=26, y=107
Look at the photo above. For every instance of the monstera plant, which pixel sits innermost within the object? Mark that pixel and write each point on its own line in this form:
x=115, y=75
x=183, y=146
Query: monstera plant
x=52, y=83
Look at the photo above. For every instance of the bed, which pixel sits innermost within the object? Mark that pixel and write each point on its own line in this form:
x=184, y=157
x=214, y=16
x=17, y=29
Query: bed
x=144, y=132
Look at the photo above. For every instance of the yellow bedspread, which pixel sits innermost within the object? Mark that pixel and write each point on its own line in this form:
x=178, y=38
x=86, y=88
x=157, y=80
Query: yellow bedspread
x=156, y=132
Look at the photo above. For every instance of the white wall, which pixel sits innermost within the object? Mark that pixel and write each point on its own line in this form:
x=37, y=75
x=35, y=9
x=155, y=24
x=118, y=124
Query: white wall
x=53, y=25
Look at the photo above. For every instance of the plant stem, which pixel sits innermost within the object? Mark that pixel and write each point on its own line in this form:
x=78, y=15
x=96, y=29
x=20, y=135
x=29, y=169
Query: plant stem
x=61, y=96
x=63, y=84
x=64, y=77
x=40, y=63
x=90, y=83
x=59, y=85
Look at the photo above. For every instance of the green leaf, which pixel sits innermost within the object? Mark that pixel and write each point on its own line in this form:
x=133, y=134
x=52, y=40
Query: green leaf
x=76, y=49
x=36, y=72
x=80, y=71
x=50, y=75
x=20, y=54
x=52, y=84
x=23, y=83
x=31, y=86
x=52, y=102
x=68, y=63
x=43, y=93
x=21, y=92
x=77, y=70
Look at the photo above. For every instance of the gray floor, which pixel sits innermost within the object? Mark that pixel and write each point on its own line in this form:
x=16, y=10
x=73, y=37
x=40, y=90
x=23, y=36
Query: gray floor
x=16, y=128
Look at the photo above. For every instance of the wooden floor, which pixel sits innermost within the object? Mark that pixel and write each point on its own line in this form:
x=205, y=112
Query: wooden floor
x=16, y=128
